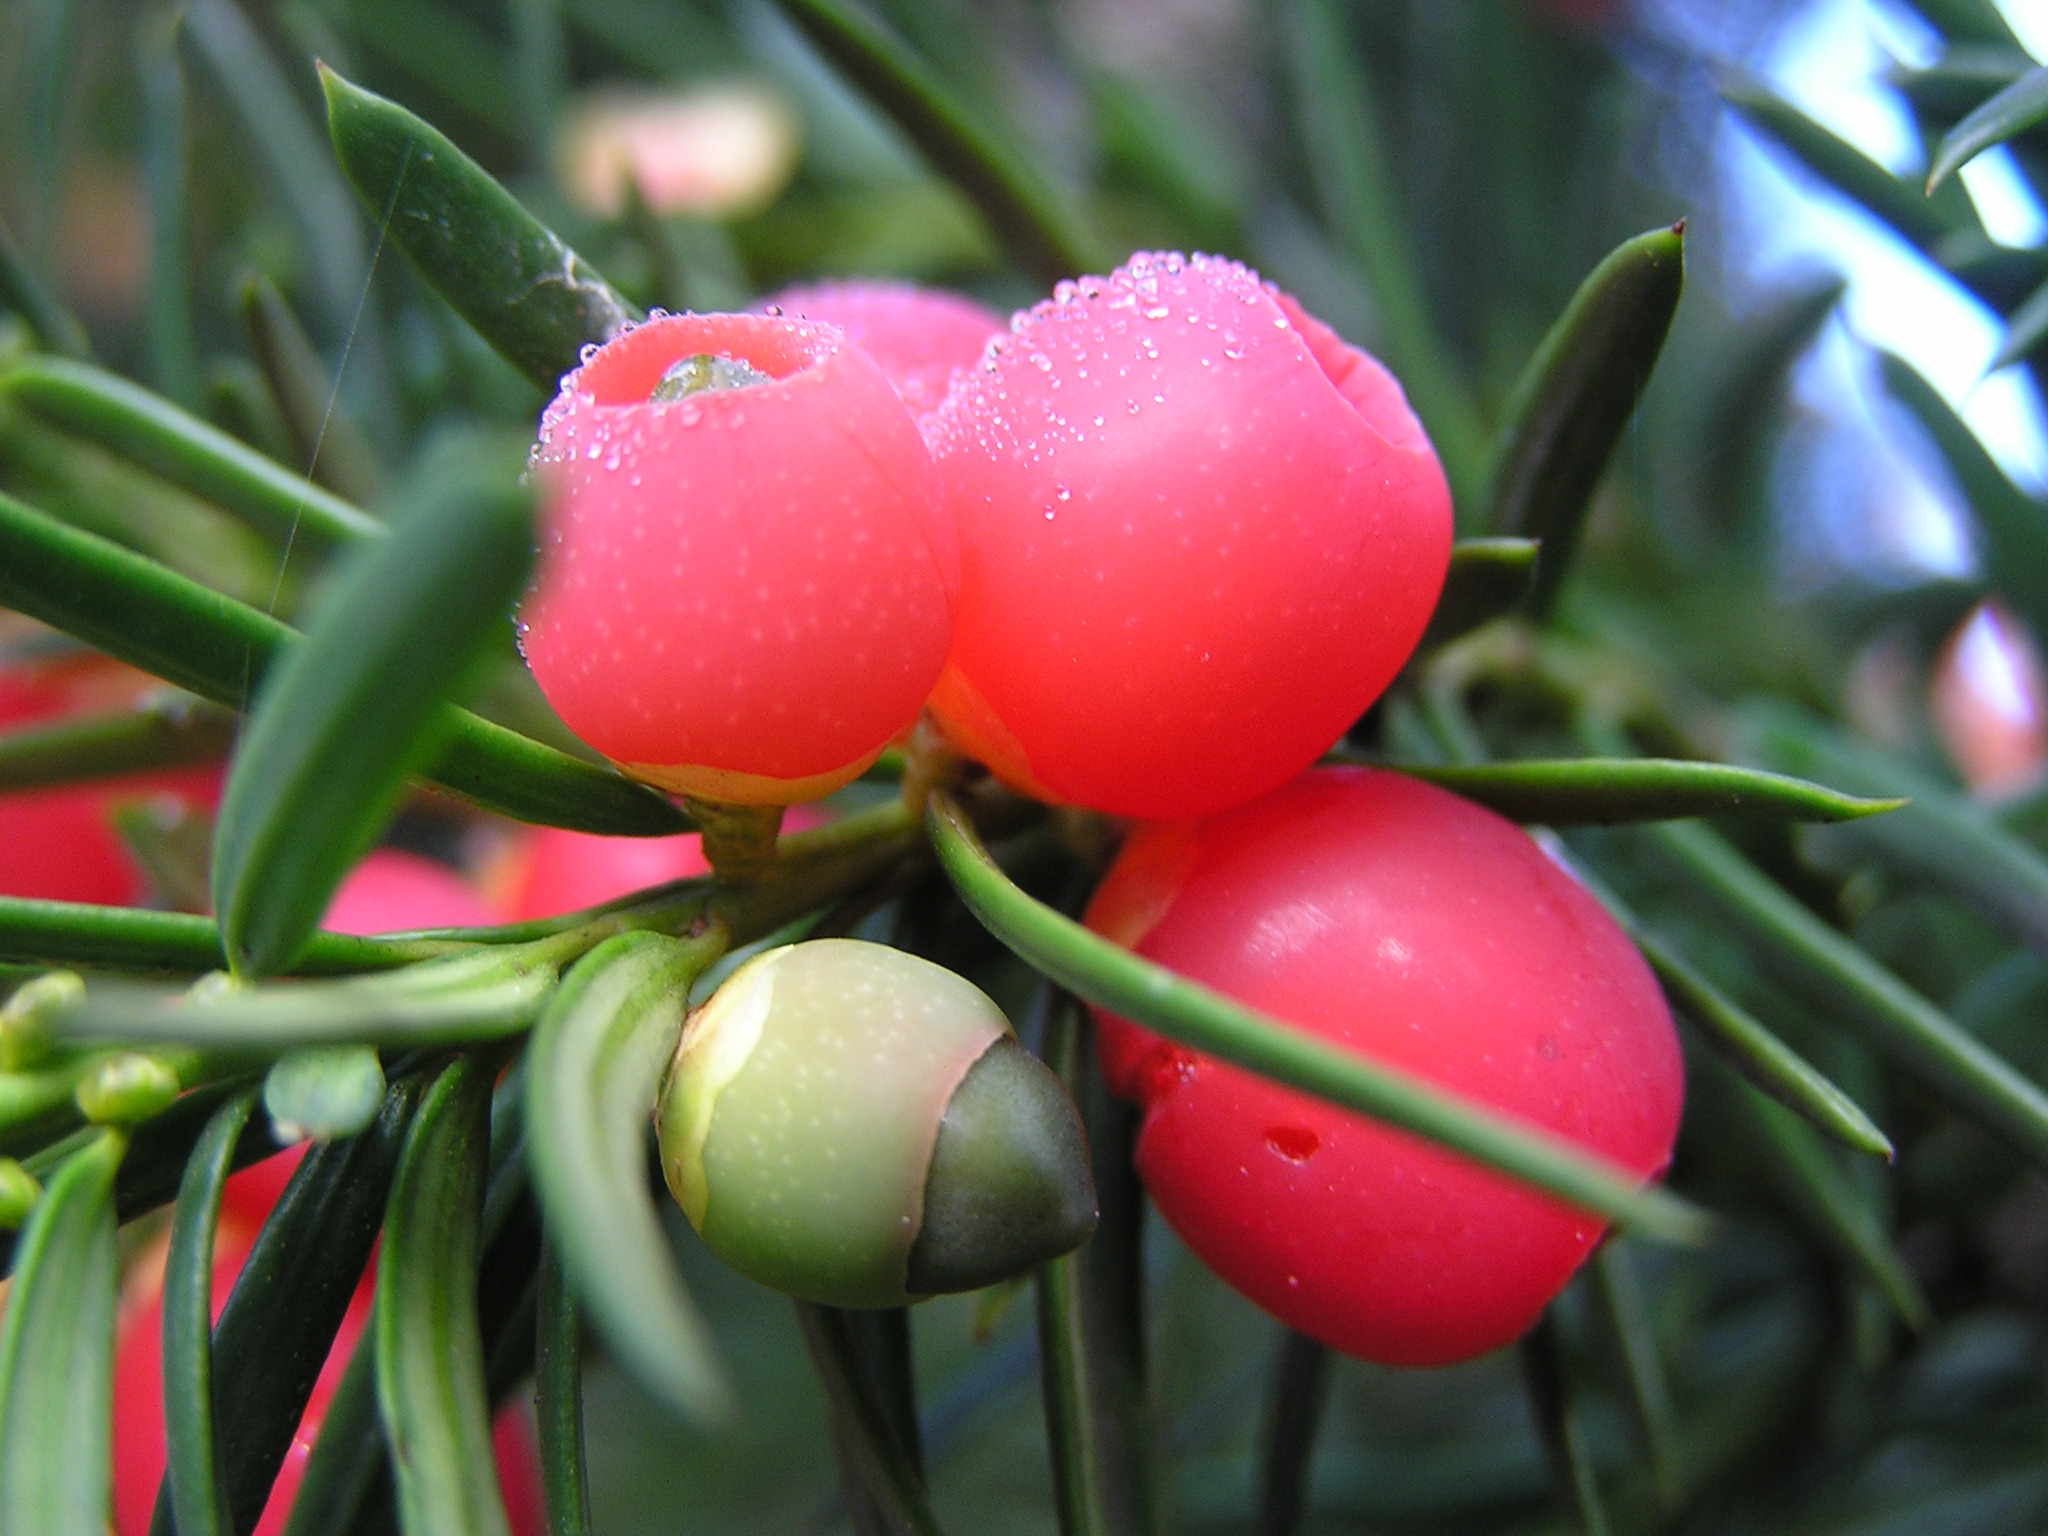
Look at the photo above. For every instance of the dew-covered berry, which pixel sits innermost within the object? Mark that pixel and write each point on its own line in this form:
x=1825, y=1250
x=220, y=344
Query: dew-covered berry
x=1395, y=919
x=746, y=571
x=1199, y=535
x=918, y=337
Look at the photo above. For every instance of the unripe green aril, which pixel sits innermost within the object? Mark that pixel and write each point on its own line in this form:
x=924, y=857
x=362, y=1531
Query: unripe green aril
x=25, y=1018
x=19, y=1192
x=127, y=1089
x=859, y=1127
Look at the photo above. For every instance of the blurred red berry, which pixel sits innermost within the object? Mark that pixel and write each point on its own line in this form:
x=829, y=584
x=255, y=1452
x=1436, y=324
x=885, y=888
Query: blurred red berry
x=552, y=871
x=916, y=336
x=393, y=891
x=744, y=592
x=1397, y=920
x=1199, y=535
x=1989, y=699
x=60, y=844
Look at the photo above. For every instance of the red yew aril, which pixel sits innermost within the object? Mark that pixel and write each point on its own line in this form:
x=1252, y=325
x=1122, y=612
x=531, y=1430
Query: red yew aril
x=746, y=593
x=389, y=892
x=60, y=844
x=1199, y=535
x=551, y=871
x=1395, y=919
x=916, y=336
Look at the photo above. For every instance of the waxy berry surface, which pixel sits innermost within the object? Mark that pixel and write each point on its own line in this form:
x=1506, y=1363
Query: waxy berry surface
x=917, y=336
x=746, y=593
x=1395, y=919
x=1199, y=535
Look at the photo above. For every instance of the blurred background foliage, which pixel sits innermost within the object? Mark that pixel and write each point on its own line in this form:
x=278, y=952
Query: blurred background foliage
x=1828, y=509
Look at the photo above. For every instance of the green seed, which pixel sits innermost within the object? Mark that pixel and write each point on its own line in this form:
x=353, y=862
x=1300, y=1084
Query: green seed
x=704, y=372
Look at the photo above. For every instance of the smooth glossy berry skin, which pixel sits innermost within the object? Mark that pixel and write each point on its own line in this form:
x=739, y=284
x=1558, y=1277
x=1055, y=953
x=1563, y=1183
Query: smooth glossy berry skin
x=744, y=594
x=1396, y=919
x=918, y=337
x=1199, y=535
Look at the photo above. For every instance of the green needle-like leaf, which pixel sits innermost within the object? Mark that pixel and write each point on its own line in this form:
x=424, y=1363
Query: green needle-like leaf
x=173, y=339
x=1597, y=791
x=526, y=293
x=169, y=730
x=1114, y=978
x=1759, y=1055
x=1294, y=1417
x=23, y=292
x=1922, y=221
x=1343, y=143
x=443, y=1002
x=1941, y=837
x=149, y=430
x=883, y=1469
x=190, y=1502
x=1091, y=1325
x=430, y=1352
x=2011, y=112
x=57, y=1353
x=1859, y=993
x=1024, y=211
x=1628, y=1316
x=597, y=1059
x=323, y=433
x=130, y=607
x=2013, y=526
x=1487, y=577
x=1797, y=1164
x=348, y=1473
x=131, y=939
x=1561, y=1424
x=558, y=1401
x=1577, y=395
x=295, y=1289
x=2025, y=330
x=346, y=714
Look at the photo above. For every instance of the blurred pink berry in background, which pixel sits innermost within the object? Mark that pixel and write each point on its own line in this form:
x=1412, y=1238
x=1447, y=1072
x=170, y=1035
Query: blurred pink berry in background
x=549, y=871
x=916, y=336
x=393, y=891
x=715, y=151
x=1989, y=700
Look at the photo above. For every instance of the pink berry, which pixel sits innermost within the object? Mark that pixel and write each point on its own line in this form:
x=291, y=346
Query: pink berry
x=553, y=871
x=393, y=891
x=746, y=592
x=1395, y=919
x=916, y=336
x=1199, y=535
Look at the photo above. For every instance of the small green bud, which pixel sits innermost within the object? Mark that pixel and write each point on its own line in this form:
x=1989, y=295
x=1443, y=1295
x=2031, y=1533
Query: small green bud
x=856, y=1126
x=706, y=371
x=19, y=1192
x=25, y=1020
x=323, y=1091
x=127, y=1089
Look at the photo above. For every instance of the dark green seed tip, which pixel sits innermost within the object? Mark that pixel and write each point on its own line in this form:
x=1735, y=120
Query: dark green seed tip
x=705, y=372
x=1009, y=1186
